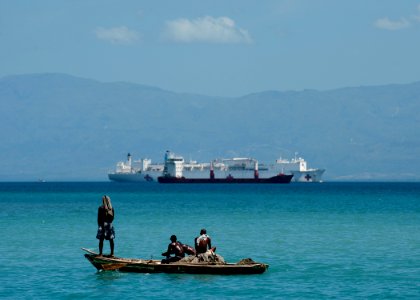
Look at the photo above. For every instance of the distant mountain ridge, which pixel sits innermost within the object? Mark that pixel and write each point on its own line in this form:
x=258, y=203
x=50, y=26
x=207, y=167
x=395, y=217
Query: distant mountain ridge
x=61, y=127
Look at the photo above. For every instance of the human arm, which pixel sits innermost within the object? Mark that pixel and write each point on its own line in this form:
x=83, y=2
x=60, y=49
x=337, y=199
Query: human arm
x=195, y=244
x=168, y=252
x=111, y=217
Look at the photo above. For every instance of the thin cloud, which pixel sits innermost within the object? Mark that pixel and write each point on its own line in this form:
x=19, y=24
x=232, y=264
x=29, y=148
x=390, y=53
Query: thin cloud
x=117, y=35
x=388, y=24
x=206, y=30
x=417, y=17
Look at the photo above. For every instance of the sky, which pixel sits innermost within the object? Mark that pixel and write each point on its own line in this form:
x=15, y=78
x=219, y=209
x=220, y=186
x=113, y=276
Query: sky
x=216, y=48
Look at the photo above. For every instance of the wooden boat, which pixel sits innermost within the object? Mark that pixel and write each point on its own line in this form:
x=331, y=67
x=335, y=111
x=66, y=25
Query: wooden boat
x=104, y=263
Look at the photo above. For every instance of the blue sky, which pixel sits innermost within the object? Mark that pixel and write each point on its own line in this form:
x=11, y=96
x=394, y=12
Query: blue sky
x=223, y=48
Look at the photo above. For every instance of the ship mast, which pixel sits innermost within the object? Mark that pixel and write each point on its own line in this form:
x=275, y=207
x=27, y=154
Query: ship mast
x=129, y=161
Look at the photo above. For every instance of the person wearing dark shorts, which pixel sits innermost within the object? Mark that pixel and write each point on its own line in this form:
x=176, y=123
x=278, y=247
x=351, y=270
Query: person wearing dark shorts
x=105, y=228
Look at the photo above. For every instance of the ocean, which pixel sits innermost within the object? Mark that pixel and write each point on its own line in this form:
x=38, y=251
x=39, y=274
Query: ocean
x=322, y=241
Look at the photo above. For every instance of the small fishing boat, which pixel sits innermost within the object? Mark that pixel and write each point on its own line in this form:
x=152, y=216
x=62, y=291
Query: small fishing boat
x=104, y=263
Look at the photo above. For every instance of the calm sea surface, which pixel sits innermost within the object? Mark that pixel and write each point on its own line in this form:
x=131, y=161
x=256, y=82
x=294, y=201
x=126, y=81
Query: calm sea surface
x=322, y=241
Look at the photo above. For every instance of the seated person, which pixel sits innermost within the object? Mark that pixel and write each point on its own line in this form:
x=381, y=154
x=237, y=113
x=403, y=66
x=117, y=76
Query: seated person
x=174, y=248
x=203, y=242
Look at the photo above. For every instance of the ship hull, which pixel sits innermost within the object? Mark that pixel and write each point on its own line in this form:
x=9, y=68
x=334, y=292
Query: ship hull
x=133, y=177
x=274, y=179
x=312, y=175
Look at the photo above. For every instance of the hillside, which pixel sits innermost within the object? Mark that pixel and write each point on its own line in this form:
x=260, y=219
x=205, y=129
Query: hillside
x=59, y=127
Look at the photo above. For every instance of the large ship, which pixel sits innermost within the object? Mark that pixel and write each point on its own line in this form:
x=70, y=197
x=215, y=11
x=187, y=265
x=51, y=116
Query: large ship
x=173, y=173
x=237, y=167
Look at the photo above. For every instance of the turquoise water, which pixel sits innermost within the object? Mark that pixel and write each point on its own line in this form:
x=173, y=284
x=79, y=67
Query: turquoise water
x=322, y=241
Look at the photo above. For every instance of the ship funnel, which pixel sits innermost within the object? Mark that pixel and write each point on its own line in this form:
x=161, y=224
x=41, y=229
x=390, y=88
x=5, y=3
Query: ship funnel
x=256, y=175
x=211, y=170
x=129, y=160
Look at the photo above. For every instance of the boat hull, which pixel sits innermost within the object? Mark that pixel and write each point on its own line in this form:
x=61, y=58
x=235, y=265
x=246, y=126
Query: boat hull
x=102, y=263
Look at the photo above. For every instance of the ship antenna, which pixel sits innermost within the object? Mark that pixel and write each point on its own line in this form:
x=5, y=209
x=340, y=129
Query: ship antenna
x=129, y=161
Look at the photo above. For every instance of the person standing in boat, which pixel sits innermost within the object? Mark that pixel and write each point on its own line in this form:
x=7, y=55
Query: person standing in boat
x=175, y=248
x=105, y=228
x=203, y=242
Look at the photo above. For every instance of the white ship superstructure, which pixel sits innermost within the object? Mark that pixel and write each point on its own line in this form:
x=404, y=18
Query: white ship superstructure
x=173, y=165
x=135, y=171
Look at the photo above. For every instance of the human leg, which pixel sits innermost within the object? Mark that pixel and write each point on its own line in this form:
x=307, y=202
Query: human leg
x=111, y=245
x=101, y=245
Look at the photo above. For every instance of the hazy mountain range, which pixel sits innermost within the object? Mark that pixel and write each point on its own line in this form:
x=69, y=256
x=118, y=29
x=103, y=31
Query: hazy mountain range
x=59, y=127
